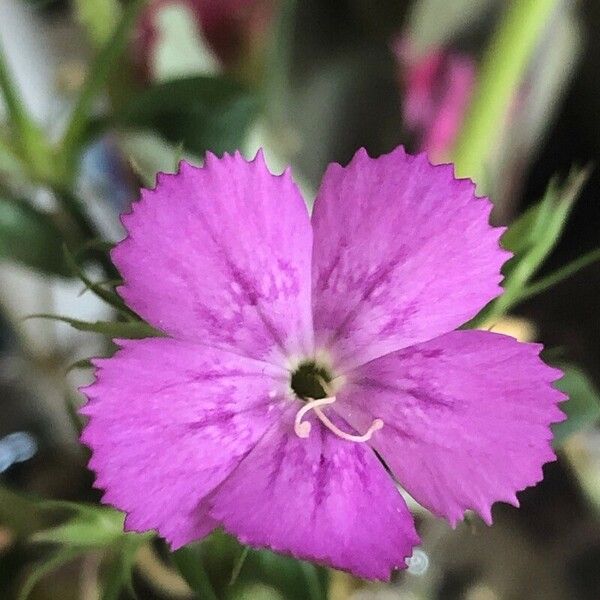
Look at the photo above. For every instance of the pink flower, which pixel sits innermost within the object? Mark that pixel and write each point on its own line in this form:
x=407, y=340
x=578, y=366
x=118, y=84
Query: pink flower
x=437, y=92
x=298, y=346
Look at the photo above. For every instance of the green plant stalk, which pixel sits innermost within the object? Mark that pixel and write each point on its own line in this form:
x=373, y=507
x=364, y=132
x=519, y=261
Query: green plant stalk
x=502, y=70
x=560, y=275
x=517, y=294
x=98, y=75
x=28, y=139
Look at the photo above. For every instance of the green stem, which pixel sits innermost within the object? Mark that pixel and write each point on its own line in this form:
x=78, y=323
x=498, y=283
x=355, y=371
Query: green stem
x=96, y=78
x=560, y=275
x=502, y=70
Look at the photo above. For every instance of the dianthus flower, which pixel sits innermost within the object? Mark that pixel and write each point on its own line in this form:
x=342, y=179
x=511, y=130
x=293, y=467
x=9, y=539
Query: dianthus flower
x=301, y=349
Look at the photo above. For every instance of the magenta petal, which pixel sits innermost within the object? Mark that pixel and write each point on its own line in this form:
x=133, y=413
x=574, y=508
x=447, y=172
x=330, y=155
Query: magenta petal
x=402, y=253
x=466, y=417
x=321, y=499
x=221, y=255
x=168, y=422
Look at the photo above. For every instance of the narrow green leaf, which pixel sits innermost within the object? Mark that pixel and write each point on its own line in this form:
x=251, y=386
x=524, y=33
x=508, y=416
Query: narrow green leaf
x=112, y=329
x=541, y=285
x=517, y=238
x=239, y=565
x=30, y=237
x=533, y=238
x=26, y=133
x=110, y=297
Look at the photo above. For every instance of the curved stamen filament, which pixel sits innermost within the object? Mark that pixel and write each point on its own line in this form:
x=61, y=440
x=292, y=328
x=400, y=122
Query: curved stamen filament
x=302, y=428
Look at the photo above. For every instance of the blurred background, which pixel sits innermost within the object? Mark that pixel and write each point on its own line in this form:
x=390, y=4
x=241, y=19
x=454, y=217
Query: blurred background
x=97, y=96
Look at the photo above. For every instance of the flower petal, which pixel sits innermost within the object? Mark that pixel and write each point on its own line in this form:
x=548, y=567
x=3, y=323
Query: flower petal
x=402, y=253
x=170, y=420
x=221, y=255
x=321, y=499
x=466, y=418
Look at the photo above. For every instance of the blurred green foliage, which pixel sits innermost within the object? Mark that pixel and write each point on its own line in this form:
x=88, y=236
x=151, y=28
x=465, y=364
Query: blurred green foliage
x=200, y=113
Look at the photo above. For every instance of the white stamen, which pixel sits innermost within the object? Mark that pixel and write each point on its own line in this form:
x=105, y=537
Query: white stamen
x=302, y=428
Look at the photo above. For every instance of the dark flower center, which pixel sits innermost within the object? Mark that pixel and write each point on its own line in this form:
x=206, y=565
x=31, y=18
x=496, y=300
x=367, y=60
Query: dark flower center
x=307, y=380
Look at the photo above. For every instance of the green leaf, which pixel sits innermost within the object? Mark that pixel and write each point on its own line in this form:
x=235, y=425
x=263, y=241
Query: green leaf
x=30, y=237
x=112, y=329
x=532, y=238
x=90, y=527
x=542, y=224
x=202, y=113
x=583, y=406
